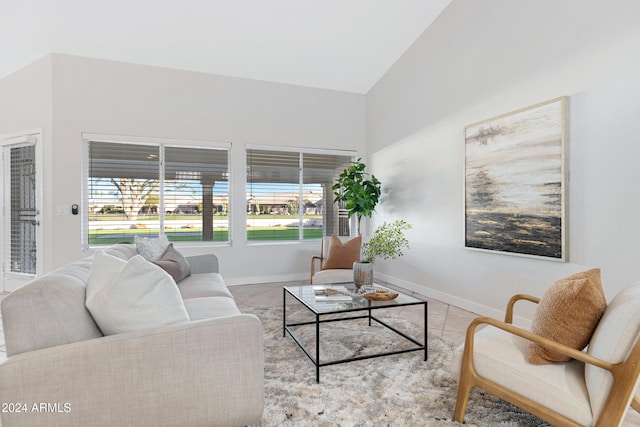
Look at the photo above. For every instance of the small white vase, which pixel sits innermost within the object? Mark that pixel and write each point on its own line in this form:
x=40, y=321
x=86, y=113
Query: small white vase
x=362, y=274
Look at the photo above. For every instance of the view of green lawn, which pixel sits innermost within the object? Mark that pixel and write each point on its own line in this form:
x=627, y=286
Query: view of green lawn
x=179, y=217
x=109, y=236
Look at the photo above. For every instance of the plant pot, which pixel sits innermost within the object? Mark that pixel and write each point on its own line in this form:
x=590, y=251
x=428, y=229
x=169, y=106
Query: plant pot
x=362, y=274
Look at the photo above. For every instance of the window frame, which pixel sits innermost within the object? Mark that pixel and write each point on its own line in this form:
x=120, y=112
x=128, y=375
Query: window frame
x=351, y=154
x=162, y=144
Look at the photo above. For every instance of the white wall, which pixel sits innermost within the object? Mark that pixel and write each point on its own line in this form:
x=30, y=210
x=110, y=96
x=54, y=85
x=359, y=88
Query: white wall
x=25, y=107
x=482, y=59
x=478, y=60
x=25, y=98
x=107, y=97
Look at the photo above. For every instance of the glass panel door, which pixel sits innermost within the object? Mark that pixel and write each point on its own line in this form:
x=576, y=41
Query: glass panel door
x=23, y=214
x=20, y=215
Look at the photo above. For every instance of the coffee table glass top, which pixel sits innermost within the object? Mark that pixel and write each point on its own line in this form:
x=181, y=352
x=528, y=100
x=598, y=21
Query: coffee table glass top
x=342, y=297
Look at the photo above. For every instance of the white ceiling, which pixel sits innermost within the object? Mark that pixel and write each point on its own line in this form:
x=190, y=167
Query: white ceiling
x=343, y=45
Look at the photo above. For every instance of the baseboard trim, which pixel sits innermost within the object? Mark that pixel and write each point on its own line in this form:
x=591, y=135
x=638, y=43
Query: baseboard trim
x=251, y=280
x=456, y=301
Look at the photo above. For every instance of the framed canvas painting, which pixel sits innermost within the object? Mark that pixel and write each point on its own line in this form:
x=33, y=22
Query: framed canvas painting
x=515, y=182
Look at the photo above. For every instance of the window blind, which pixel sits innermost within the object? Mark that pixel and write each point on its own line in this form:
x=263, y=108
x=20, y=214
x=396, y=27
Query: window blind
x=196, y=193
x=154, y=189
x=289, y=194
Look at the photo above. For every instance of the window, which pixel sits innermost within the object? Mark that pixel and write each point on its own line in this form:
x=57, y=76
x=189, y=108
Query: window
x=289, y=194
x=151, y=189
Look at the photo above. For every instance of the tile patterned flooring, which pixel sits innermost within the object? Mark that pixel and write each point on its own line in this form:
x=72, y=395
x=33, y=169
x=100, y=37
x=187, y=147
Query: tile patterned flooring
x=444, y=320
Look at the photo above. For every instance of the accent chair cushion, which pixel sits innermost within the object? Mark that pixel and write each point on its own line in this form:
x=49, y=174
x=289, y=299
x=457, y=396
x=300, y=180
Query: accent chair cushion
x=612, y=340
x=568, y=312
x=502, y=357
x=124, y=296
x=174, y=263
x=151, y=248
x=340, y=275
x=342, y=255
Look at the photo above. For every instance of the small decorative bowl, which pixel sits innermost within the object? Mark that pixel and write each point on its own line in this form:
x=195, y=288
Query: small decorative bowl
x=374, y=293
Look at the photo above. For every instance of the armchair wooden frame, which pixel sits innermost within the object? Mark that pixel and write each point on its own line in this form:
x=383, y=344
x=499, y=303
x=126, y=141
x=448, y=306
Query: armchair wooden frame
x=314, y=260
x=624, y=375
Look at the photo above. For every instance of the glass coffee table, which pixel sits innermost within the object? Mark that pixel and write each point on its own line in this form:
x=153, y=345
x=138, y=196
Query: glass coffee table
x=340, y=307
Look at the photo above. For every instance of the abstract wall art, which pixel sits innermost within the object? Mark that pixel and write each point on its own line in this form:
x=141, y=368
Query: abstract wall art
x=515, y=182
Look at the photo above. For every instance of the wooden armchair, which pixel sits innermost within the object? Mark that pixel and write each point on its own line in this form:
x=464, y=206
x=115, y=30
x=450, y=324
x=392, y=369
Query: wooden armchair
x=595, y=388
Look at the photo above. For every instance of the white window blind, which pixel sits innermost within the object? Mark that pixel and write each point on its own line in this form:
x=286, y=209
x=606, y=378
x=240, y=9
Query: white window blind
x=196, y=192
x=155, y=189
x=289, y=194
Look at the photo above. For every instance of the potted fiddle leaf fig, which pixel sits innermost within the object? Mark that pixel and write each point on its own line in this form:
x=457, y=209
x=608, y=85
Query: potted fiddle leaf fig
x=386, y=242
x=359, y=190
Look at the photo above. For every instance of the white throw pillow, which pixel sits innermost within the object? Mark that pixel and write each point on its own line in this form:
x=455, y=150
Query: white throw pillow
x=104, y=270
x=124, y=296
x=151, y=248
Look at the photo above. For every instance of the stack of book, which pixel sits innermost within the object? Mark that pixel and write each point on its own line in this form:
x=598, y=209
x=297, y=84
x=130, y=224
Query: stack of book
x=331, y=293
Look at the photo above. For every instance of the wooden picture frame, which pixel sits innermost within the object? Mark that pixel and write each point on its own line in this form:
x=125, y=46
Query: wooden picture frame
x=515, y=190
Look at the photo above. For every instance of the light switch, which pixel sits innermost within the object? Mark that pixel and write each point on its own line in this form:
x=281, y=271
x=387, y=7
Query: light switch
x=63, y=210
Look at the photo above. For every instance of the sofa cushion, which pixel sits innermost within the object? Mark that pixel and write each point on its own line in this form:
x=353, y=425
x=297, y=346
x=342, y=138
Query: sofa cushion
x=612, y=340
x=48, y=311
x=124, y=296
x=203, y=285
x=342, y=255
x=568, y=313
x=174, y=263
x=210, y=307
x=151, y=248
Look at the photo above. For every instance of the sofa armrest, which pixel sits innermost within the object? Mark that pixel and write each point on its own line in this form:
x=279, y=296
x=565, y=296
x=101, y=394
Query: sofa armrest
x=208, y=372
x=207, y=263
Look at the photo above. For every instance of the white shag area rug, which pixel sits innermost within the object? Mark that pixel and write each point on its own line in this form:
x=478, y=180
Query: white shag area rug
x=399, y=390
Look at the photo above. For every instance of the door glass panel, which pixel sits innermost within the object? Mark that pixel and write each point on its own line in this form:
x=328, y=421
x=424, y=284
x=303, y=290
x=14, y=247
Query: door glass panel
x=23, y=213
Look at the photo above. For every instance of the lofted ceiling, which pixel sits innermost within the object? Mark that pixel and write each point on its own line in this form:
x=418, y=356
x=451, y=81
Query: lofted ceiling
x=344, y=45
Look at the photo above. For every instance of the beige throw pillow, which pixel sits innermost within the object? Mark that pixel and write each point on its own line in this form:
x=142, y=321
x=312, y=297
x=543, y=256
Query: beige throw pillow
x=342, y=255
x=174, y=263
x=568, y=313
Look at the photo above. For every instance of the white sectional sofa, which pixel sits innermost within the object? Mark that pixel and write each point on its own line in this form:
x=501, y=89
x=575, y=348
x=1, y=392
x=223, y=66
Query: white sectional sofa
x=62, y=371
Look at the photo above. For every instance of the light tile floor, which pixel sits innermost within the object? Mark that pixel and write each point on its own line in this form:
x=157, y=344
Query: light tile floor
x=444, y=320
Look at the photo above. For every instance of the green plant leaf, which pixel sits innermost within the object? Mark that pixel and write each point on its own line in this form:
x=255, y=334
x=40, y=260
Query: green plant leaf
x=386, y=242
x=358, y=190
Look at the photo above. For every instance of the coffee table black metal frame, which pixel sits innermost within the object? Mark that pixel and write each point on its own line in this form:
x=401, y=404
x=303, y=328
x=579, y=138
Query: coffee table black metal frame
x=358, y=304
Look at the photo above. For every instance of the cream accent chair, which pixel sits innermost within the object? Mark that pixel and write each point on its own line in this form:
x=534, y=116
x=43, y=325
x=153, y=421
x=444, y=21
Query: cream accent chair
x=338, y=275
x=594, y=389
